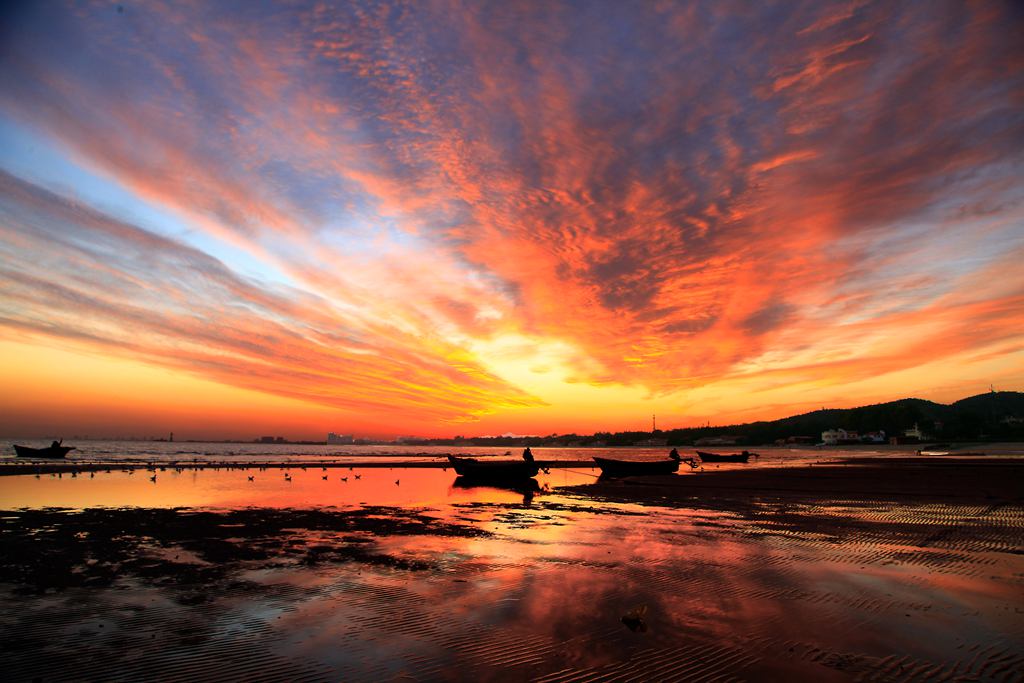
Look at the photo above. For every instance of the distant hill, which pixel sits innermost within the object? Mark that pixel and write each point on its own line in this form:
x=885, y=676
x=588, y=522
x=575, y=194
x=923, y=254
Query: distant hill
x=991, y=416
x=999, y=403
x=892, y=417
x=985, y=416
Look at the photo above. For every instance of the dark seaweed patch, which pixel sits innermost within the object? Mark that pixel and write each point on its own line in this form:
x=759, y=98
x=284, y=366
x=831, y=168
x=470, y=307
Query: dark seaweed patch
x=54, y=549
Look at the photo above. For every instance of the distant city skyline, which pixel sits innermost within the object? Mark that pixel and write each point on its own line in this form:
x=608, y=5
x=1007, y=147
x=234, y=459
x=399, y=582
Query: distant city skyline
x=228, y=219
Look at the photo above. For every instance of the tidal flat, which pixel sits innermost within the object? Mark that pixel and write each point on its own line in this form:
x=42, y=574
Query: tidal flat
x=907, y=569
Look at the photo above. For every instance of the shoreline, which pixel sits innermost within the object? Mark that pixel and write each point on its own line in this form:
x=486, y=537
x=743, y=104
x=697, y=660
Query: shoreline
x=920, y=478
x=62, y=466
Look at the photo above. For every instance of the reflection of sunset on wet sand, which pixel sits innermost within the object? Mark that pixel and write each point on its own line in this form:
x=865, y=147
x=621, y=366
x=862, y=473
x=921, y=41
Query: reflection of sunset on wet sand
x=729, y=587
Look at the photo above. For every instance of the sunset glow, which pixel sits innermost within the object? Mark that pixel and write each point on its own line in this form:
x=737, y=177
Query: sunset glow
x=228, y=219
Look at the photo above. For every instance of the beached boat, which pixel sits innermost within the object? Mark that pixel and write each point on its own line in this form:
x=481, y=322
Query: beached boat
x=53, y=451
x=495, y=470
x=627, y=468
x=715, y=457
x=611, y=467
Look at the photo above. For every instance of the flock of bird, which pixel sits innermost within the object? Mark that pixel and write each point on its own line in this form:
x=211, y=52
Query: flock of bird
x=179, y=470
x=288, y=476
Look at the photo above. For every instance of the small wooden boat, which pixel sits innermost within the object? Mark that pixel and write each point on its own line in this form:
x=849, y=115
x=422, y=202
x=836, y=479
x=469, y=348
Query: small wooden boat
x=715, y=457
x=56, y=451
x=495, y=470
x=611, y=467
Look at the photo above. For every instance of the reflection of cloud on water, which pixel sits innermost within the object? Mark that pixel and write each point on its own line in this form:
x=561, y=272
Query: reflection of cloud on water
x=523, y=592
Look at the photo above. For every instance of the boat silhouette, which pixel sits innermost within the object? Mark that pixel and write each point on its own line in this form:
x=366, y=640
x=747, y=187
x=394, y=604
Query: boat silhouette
x=494, y=471
x=54, y=450
x=612, y=467
x=735, y=457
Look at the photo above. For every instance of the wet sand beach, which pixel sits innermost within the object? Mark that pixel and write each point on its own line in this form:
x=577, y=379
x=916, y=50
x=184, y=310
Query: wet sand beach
x=900, y=478
x=908, y=569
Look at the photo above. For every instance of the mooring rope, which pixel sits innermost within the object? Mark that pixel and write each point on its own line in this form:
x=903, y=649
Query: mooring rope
x=589, y=474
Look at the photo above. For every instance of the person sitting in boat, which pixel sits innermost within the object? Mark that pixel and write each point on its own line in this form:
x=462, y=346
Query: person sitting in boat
x=56, y=444
x=528, y=455
x=674, y=454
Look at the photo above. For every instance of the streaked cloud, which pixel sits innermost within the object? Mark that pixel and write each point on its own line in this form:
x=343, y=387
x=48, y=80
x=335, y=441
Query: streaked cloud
x=477, y=203
x=126, y=291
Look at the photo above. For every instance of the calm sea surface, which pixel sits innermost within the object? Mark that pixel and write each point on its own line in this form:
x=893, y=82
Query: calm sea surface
x=234, y=475
x=164, y=452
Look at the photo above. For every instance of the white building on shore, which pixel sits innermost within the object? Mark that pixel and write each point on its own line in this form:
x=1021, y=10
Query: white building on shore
x=914, y=433
x=833, y=437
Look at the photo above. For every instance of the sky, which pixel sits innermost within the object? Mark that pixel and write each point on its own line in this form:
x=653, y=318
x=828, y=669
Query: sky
x=436, y=218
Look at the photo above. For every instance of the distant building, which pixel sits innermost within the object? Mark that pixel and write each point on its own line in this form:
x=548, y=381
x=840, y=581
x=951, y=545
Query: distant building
x=874, y=437
x=651, y=442
x=340, y=438
x=724, y=440
x=266, y=439
x=835, y=437
x=914, y=433
x=795, y=440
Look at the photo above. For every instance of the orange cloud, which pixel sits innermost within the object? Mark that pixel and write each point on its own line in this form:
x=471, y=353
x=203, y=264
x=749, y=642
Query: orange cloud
x=648, y=201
